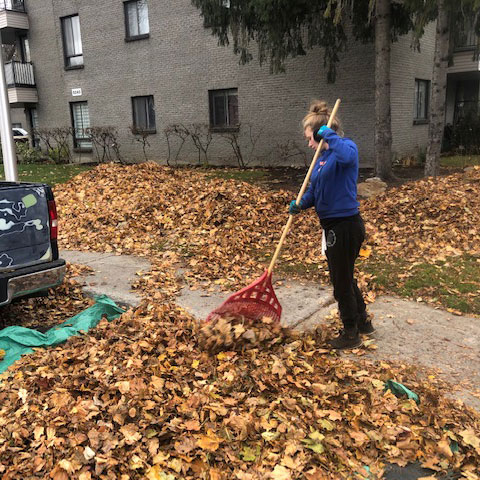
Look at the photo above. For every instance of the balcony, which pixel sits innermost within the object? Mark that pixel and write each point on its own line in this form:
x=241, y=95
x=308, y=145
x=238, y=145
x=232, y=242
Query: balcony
x=465, y=42
x=13, y=5
x=12, y=17
x=465, y=57
x=21, y=83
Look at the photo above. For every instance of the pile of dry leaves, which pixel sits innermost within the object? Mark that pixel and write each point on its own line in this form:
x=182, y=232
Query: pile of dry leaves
x=427, y=219
x=157, y=396
x=149, y=398
x=221, y=228
x=226, y=230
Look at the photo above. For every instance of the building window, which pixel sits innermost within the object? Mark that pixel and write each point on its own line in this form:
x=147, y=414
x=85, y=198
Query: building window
x=72, y=42
x=24, y=47
x=80, y=124
x=422, y=93
x=144, y=113
x=13, y=5
x=464, y=36
x=136, y=19
x=223, y=108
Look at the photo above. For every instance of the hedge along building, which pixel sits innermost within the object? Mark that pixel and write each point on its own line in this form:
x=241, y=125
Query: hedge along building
x=152, y=64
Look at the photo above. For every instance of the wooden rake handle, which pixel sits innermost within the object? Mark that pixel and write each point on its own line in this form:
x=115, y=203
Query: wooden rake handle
x=302, y=190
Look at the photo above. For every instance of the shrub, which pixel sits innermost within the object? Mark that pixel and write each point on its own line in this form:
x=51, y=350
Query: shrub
x=57, y=142
x=179, y=131
x=244, y=152
x=59, y=155
x=202, y=137
x=28, y=154
x=141, y=135
x=105, y=142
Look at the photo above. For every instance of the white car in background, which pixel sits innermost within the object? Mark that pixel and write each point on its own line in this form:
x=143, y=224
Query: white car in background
x=20, y=135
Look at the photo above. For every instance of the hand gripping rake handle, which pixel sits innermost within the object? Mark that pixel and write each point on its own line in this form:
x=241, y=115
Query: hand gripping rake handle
x=302, y=191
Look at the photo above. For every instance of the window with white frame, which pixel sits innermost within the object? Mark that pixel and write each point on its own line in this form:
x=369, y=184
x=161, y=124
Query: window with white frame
x=136, y=19
x=223, y=108
x=80, y=124
x=72, y=42
x=421, y=106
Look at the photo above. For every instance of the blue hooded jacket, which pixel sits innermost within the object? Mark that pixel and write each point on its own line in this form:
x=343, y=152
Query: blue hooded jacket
x=333, y=184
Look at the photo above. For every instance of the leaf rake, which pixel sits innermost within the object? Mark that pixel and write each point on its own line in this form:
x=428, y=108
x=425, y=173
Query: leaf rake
x=258, y=299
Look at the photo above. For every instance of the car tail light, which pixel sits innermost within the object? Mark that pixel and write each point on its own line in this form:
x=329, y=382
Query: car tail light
x=52, y=213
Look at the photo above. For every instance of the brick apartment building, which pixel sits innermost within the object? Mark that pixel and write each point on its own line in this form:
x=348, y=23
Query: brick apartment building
x=151, y=64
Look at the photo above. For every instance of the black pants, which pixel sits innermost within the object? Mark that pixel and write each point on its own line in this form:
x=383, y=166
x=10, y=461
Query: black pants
x=344, y=239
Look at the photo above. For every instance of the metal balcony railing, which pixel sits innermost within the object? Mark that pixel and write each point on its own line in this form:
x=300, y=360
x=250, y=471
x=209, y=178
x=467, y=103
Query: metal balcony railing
x=13, y=5
x=19, y=74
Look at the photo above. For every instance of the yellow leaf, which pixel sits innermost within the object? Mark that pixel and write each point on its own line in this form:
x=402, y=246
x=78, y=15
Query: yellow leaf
x=280, y=473
x=38, y=432
x=66, y=465
x=156, y=473
x=209, y=441
x=378, y=384
x=158, y=382
x=470, y=438
x=278, y=368
x=215, y=474
x=124, y=387
x=365, y=252
x=444, y=448
x=195, y=363
x=131, y=434
x=135, y=463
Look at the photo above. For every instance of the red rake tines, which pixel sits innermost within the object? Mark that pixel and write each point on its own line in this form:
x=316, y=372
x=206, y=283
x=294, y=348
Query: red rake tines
x=253, y=302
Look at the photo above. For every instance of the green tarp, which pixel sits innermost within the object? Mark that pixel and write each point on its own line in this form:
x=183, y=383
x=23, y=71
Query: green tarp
x=398, y=390
x=17, y=341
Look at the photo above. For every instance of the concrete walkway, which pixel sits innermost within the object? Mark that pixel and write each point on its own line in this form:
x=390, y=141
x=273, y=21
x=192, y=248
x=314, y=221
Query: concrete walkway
x=112, y=275
x=407, y=331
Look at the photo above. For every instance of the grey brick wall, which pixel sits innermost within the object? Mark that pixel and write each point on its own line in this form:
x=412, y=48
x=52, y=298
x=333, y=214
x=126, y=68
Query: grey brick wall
x=17, y=115
x=407, y=65
x=180, y=62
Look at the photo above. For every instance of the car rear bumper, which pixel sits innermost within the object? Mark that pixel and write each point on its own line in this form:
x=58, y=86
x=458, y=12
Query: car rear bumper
x=27, y=281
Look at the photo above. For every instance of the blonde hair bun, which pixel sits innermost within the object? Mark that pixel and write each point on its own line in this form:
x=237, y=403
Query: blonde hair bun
x=319, y=108
x=318, y=115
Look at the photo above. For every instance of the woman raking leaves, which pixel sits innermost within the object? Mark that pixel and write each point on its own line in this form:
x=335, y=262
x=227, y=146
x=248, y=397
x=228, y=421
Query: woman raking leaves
x=333, y=193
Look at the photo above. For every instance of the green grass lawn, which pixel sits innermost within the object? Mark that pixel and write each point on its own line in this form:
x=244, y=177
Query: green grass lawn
x=460, y=161
x=50, y=174
x=454, y=283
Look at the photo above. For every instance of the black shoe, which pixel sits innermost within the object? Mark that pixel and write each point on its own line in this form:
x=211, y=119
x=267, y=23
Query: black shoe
x=366, y=328
x=346, y=340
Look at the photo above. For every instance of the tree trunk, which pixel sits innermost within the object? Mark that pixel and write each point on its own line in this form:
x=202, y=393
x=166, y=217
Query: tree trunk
x=439, y=90
x=383, y=116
